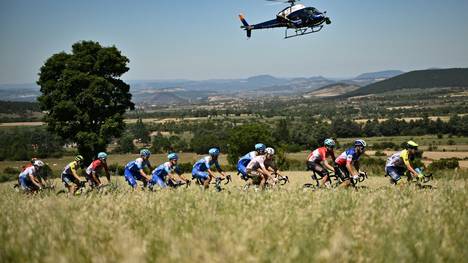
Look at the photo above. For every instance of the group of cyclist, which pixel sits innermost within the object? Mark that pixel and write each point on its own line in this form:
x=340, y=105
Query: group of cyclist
x=346, y=165
x=256, y=168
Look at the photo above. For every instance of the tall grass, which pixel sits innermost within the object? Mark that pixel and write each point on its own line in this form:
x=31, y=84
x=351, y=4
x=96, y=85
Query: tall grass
x=377, y=224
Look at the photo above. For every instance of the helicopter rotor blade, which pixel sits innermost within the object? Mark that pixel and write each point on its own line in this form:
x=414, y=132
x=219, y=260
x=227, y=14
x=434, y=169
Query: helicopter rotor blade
x=292, y=2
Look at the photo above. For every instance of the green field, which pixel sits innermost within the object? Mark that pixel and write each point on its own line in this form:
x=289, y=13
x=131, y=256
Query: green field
x=377, y=224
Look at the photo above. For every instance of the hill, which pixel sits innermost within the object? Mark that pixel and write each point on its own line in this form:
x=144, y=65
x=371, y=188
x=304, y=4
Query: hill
x=421, y=79
x=332, y=90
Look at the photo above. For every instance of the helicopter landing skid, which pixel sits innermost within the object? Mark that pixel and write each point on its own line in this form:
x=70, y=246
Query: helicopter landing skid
x=301, y=31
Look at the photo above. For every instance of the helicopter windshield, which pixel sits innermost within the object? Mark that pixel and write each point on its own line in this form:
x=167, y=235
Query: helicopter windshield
x=311, y=11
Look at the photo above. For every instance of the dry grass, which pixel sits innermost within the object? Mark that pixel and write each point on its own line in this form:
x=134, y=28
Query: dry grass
x=378, y=224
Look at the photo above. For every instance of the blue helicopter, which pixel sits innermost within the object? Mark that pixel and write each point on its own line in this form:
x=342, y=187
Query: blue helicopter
x=298, y=20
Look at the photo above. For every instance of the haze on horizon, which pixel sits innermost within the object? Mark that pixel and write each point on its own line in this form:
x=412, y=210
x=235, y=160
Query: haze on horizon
x=202, y=39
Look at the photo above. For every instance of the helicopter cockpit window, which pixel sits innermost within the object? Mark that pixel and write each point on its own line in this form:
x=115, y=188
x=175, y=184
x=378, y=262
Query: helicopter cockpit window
x=311, y=10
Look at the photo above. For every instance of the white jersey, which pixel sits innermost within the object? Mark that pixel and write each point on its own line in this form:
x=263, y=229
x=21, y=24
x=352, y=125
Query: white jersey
x=259, y=161
x=28, y=171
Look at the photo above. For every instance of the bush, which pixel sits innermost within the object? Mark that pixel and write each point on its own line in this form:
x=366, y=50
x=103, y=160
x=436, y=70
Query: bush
x=185, y=167
x=384, y=145
x=451, y=163
x=8, y=177
x=116, y=169
x=11, y=170
x=380, y=153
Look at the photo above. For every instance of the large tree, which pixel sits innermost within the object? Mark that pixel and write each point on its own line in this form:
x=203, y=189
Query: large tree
x=84, y=97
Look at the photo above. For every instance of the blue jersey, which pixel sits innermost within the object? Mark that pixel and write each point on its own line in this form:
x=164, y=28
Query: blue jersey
x=249, y=156
x=205, y=163
x=137, y=165
x=348, y=156
x=164, y=169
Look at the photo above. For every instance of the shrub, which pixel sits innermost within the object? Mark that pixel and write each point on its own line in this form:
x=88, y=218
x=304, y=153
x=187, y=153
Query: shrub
x=451, y=163
x=116, y=169
x=384, y=145
x=380, y=153
x=11, y=170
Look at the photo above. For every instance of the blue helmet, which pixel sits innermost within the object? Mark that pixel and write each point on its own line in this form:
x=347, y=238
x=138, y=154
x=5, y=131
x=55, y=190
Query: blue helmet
x=172, y=156
x=329, y=143
x=214, y=152
x=360, y=142
x=145, y=153
x=102, y=155
x=260, y=147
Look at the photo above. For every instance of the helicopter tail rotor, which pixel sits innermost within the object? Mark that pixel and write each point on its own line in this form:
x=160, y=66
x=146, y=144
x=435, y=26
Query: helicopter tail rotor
x=246, y=25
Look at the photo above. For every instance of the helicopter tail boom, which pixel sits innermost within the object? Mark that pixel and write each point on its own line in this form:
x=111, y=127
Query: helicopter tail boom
x=246, y=25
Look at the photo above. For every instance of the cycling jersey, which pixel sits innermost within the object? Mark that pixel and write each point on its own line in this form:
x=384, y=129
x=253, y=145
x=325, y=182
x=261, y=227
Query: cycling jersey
x=399, y=159
x=29, y=171
x=164, y=169
x=97, y=165
x=137, y=165
x=320, y=154
x=259, y=162
x=249, y=155
x=205, y=163
x=347, y=157
x=71, y=166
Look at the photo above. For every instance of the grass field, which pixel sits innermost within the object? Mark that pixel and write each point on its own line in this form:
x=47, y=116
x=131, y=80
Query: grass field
x=377, y=224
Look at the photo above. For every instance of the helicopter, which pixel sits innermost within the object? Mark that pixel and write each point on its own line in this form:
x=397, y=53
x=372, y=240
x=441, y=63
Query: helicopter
x=299, y=19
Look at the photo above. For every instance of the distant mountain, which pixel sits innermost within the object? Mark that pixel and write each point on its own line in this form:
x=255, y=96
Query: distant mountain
x=421, y=79
x=380, y=74
x=166, y=98
x=19, y=92
x=331, y=90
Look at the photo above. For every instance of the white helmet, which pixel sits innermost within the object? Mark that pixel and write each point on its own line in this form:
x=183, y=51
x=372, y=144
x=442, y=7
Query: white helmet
x=270, y=151
x=39, y=163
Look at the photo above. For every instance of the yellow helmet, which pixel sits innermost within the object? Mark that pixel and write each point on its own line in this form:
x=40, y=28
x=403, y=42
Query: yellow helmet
x=412, y=145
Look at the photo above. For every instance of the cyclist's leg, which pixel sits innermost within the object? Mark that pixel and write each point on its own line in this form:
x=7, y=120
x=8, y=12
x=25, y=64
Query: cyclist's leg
x=242, y=169
x=68, y=183
x=204, y=177
x=25, y=185
x=156, y=180
x=394, y=173
x=130, y=178
x=344, y=176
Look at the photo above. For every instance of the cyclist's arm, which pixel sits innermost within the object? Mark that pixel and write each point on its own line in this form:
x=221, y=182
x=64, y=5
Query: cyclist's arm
x=327, y=165
x=74, y=173
x=142, y=173
x=408, y=165
x=351, y=169
x=34, y=181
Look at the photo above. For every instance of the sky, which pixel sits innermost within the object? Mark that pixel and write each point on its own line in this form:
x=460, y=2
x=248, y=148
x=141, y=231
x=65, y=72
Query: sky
x=189, y=39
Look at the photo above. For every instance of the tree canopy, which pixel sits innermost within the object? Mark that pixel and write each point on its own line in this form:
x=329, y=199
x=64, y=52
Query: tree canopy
x=84, y=97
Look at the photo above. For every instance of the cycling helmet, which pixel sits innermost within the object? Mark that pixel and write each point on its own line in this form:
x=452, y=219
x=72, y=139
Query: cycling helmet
x=79, y=158
x=260, y=147
x=411, y=145
x=39, y=163
x=360, y=142
x=145, y=153
x=270, y=151
x=329, y=143
x=172, y=156
x=214, y=152
x=102, y=155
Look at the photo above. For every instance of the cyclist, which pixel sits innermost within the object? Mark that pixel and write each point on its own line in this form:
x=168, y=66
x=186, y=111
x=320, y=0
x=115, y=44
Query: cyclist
x=261, y=168
x=244, y=160
x=400, y=162
x=92, y=172
x=348, y=162
x=29, y=178
x=317, y=161
x=70, y=177
x=134, y=170
x=166, y=169
x=202, y=168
